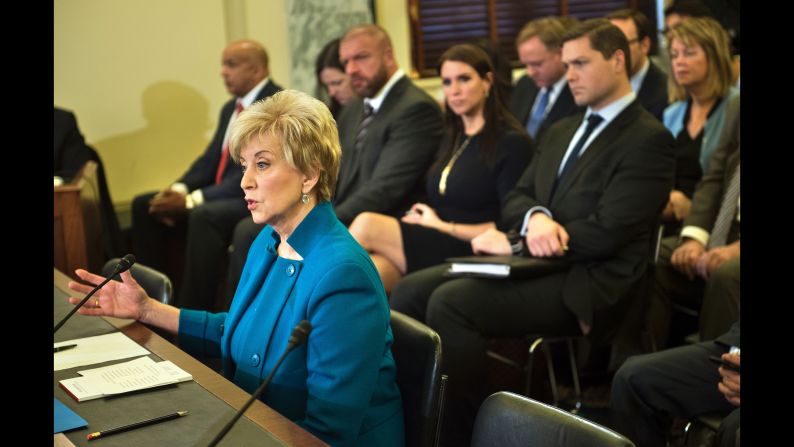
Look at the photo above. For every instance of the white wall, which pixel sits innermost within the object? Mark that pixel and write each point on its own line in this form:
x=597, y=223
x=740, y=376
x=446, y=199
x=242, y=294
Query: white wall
x=143, y=77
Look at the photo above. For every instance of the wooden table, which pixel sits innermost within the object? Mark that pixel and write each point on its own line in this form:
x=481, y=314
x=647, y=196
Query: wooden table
x=259, y=413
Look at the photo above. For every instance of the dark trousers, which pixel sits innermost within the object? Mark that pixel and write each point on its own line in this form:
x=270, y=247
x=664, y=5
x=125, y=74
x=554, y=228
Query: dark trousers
x=244, y=234
x=466, y=312
x=154, y=244
x=717, y=299
x=649, y=389
x=209, y=233
x=202, y=237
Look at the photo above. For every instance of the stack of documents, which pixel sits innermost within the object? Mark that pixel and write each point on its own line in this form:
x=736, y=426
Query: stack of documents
x=138, y=374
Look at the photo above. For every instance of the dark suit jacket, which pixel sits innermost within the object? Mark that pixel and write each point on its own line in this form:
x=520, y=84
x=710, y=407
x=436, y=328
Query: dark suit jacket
x=71, y=151
x=201, y=173
x=653, y=91
x=401, y=140
x=524, y=97
x=608, y=203
x=707, y=199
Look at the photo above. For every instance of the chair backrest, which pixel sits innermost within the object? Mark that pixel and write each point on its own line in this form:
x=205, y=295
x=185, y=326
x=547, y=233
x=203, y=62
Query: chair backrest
x=417, y=355
x=508, y=420
x=156, y=284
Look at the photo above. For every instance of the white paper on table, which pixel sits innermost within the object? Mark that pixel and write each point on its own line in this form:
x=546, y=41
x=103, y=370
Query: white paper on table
x=124, y=377
x=97, y=349
x=135, y=375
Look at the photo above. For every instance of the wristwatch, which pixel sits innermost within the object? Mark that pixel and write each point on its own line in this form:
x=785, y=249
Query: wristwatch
x=516, y=242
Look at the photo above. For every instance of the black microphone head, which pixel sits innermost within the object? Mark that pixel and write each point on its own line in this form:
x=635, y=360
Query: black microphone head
x=300, y=333
x=125, y=263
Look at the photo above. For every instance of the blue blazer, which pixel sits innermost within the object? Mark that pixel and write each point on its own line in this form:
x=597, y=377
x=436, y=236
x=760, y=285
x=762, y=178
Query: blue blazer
x=341, y=385
x=715, y=127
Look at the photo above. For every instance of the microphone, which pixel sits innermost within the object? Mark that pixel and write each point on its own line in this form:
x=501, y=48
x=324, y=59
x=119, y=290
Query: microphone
x=298, y=337
x=124, y=264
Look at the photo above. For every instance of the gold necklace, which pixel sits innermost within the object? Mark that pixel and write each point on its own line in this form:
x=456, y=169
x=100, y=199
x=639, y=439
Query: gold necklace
x=442, y=184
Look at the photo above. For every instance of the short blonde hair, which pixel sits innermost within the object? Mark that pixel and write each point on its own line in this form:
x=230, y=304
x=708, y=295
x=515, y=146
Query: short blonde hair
x=309, y=139
x=549, y=30
x=716, y=44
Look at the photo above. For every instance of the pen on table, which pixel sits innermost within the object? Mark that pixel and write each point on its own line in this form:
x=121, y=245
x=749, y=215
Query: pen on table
x=64, y=348
x=156, y=420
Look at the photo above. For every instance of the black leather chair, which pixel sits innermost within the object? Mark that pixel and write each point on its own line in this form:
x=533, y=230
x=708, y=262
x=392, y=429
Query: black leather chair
x=156, y=284
x=510, y=420
x=417, y=355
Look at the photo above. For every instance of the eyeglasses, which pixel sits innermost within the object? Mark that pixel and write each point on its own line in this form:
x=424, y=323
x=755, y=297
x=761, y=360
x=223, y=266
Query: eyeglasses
x=634, y=40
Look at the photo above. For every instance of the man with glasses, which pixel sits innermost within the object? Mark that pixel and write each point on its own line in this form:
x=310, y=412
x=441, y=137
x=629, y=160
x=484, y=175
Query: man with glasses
x=647, y=80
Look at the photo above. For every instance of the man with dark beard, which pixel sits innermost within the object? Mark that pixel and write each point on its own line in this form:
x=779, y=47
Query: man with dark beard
x=389, y=136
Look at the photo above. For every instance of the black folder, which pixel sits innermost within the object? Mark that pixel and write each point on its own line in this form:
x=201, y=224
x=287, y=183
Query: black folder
x=513, y=267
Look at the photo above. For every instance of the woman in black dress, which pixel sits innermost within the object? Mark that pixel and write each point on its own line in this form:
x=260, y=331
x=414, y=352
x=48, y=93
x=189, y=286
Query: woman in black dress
x=482, y=155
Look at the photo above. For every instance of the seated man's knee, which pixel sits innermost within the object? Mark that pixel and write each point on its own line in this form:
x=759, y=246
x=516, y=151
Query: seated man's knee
x=631, y=374
x=200, y=215
x=726, y=274
x=140, y=205
x=444, y=303
x=407, y=297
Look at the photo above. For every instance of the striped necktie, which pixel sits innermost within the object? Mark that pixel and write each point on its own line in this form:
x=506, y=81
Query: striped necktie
x=362, y=128
x=726, y=214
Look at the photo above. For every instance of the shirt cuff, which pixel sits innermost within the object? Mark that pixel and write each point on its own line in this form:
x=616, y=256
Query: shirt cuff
x=195, y=198
x=529, y=213
x=696, y=233
x=179, y=187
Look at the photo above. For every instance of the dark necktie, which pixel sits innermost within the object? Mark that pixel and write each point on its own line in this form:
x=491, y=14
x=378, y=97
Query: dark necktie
x=540, y=112
x=366, y=118
x=225, y=154
x=592, y=121
x=726, y=214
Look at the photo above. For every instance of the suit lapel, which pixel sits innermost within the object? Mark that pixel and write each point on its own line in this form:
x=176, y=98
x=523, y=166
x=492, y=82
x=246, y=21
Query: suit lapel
x=533, y=93
x=561, y=106
x=547, y=175
x=597, y=147
x=348, y=148
x=254, y=279
x=352, y=160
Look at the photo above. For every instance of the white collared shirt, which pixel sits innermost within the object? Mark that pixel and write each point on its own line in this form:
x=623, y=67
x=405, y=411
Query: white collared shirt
x=638, y=78
x=377, y=100
x=608, y=113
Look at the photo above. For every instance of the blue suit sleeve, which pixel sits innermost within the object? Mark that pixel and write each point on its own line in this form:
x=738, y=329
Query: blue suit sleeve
x=200, y=332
